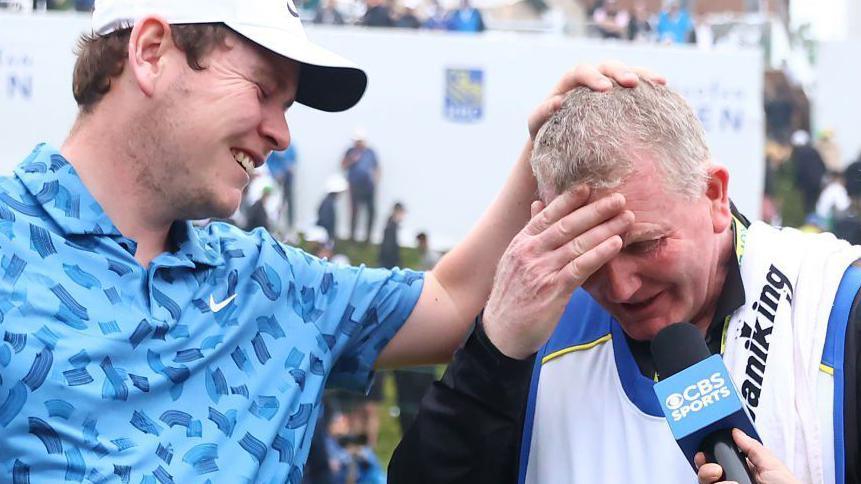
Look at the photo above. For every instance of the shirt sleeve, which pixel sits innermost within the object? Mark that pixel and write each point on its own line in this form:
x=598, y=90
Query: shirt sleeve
x=356, y=310
x=379, y=304
x=470, y=423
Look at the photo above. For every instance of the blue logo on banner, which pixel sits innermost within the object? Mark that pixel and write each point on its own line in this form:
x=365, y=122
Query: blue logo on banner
x=464, y=95
x=16, y=75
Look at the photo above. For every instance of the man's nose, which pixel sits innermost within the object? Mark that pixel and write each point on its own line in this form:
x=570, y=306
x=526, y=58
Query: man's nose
x=275, y=130
x=622, y=280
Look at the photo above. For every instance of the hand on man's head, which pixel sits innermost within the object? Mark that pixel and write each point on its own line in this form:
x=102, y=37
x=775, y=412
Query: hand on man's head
x=597, y=78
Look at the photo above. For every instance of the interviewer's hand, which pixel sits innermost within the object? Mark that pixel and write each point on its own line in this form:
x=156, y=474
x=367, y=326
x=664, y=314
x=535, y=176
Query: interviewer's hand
x=560, y=247
x=767, y=469
x=595, y=78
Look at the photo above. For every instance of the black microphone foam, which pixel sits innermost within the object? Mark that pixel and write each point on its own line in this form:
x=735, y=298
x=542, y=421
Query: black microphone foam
x=677, y=347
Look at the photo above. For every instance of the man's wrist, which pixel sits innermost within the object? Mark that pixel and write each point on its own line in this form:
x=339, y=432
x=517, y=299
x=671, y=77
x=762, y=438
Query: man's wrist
x=494, y=355
x=482, y=373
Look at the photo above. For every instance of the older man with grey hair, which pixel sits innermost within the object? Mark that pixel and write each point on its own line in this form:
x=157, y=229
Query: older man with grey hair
x=778, y=305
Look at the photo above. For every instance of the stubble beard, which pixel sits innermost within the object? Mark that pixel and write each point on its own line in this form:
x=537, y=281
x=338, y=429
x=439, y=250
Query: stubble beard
x=161, y=163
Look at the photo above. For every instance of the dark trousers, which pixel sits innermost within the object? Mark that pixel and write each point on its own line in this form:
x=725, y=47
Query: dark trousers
x=411, y=385
x=361, y=196
x=287, y=193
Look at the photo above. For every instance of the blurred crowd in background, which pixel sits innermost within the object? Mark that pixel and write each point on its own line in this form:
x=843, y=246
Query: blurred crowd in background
x=705, y=23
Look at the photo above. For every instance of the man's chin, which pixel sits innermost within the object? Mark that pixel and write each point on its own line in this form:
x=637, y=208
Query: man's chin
x=225, y=211
x=217, y=208
x=644, y=330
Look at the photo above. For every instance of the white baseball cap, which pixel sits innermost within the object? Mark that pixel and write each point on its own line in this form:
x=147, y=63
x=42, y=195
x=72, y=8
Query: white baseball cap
x=336, y=184
x=327, y=81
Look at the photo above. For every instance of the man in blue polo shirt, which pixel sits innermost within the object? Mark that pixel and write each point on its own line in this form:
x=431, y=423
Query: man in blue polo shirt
x=138, y=348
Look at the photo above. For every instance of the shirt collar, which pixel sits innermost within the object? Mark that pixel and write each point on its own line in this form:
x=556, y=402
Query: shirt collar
x=57, y=188
x=195, y=244
x=732, y=294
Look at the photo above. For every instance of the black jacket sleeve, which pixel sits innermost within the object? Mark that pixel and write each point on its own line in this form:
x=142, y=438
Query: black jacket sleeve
x=469, y=426
x=851, y=403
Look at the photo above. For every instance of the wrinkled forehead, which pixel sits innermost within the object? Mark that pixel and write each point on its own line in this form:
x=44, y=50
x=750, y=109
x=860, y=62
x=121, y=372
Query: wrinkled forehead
x=639, y=173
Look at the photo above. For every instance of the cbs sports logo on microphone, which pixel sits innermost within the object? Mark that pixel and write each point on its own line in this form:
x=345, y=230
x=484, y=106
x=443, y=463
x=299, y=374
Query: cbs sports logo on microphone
x=699, y=396
x=694, y=398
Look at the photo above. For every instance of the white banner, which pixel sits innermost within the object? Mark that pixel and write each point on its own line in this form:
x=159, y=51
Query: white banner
x=837, y=100
x=446, y=113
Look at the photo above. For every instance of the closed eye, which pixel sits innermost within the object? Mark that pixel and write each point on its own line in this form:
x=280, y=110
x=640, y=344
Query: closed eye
x=262, y=93
x=644, y=247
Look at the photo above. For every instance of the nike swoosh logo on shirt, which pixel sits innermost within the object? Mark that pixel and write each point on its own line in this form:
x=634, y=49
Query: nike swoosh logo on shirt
x=215, y=307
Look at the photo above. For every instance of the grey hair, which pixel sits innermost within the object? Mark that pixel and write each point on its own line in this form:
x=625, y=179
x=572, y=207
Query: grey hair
x=592, y=138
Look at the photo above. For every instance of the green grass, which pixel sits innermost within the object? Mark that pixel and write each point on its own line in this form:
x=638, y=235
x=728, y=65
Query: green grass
x=390, y=428
x=361, y=253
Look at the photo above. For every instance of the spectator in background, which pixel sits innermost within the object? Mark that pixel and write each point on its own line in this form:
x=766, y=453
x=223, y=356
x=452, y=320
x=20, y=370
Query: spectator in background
x=833, y=200
x=465, y=19
x=363, y=174
x=46, y=5
x=319, y=467
x=427, y=257
x=852, y=179
x=390, y=248
x=779, y=108
x=327, y=14
x=407, y=18
x=847, y=224
x=702, y=34
x=411, y=384
x=829, y=150
x=612, y=22
x=352, y=461
x=674, y=24
x=282, y=166
x=326, y=212
x=84, y=5
x=809, y=170
x=378, y=14
x=640, y=26
x=437, y=17
x=257, y=215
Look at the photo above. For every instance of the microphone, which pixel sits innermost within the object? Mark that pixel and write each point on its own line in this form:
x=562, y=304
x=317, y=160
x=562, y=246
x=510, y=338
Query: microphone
x=700, y=401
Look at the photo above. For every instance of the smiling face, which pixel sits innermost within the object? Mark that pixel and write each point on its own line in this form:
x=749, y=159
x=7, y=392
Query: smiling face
x=201, y=133
x=671, y=268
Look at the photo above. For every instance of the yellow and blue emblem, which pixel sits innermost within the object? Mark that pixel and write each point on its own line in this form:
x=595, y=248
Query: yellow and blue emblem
x=464, y=95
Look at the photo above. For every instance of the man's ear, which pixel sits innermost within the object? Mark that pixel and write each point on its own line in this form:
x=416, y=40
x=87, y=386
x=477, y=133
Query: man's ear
x=718, y=198
x=149, y=41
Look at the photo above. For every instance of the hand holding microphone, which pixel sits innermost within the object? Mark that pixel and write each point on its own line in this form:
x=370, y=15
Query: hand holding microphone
x=767, y=468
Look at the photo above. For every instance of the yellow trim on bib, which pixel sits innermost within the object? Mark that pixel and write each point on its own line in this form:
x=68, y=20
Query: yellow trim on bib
x=740, y=241
x=826, y=369
x=571, y=349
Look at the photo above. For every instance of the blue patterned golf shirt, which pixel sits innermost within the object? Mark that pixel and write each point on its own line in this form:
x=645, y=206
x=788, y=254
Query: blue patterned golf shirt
x=207, y=366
